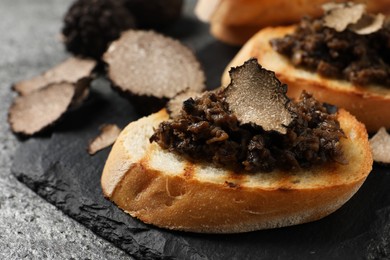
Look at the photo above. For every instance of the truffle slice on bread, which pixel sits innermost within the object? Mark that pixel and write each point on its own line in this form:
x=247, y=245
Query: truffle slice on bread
x=163, y=189
x=370, y=104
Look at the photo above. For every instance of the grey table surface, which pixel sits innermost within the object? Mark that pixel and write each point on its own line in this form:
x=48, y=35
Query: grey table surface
x=30, y=227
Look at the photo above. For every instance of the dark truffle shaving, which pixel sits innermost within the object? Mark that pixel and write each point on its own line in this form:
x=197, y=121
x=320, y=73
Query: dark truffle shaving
x=208, y=131
x=360, y=59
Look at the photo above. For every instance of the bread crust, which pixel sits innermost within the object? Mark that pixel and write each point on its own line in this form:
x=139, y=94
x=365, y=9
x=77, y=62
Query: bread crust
x=370, y=104
x=233, y=34
x=163, y=189
x=231, y=18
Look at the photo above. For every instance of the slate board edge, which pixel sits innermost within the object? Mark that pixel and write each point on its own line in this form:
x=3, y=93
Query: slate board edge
x=44, y=190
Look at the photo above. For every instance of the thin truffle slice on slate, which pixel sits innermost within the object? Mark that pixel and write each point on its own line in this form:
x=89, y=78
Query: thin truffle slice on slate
x=73, y=70
x=145, y=63
x=256, y=96
x=380, y=146
x=108, y=134
x=33, y=113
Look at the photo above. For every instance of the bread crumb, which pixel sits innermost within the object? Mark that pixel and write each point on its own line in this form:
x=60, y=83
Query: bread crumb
x=108, y=135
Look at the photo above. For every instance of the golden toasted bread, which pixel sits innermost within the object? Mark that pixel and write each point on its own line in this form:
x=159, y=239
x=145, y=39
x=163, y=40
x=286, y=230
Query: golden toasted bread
x=370, y=104
x=235, y=21
x=164, y=189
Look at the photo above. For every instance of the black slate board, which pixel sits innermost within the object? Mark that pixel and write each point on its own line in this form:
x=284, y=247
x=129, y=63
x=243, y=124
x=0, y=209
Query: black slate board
x=59, y=169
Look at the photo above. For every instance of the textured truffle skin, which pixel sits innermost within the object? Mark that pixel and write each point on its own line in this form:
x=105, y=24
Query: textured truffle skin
x=90, y=25
x=155, y=14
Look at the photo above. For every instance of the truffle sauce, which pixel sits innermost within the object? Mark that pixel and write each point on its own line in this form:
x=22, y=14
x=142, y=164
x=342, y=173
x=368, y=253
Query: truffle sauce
x=360, y=59
x=207, y=130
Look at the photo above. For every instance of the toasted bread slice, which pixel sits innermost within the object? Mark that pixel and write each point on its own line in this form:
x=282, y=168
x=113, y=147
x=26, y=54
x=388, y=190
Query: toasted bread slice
x=370, y=104
x=235, y=21
x=164, y=189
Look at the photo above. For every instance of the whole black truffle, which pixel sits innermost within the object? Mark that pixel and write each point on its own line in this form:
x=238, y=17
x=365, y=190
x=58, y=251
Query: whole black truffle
x=155, y=14
x=90, y=25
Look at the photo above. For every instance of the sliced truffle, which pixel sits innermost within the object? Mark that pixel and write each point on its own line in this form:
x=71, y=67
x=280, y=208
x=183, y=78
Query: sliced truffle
x=351, y=16
x=175, y=105
x=339, y=16
x=81, y=94
x=107, y=136
x=33, y=113
x=256, y=96
x=368, y=24
x=90, y=25
x=380, y=146
x=148, y=64
x=72, y=70
x=155, y=14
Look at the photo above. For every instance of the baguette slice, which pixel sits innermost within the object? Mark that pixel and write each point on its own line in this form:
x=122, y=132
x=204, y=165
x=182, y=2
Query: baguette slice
x=165, y=190
x=370, y=104
x=235, y=21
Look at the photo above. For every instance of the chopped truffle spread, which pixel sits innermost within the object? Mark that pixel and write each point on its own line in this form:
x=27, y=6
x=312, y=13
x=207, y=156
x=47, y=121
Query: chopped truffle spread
x=207, y=130
x=359, y=58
